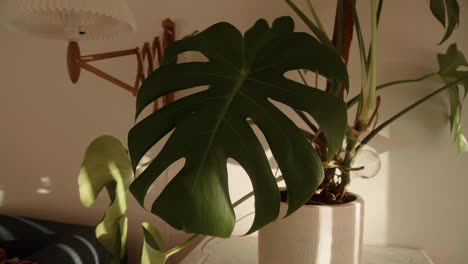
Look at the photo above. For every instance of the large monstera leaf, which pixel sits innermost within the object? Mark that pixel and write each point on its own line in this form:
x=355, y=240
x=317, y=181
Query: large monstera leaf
x=243, y=74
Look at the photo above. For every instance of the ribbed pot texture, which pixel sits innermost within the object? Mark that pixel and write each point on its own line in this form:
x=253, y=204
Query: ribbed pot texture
x=315, y=234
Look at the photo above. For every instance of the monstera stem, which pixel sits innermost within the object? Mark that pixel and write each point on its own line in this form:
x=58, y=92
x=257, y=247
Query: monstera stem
x=368, y=99
x=351, y=145
x=356, y=99
x=331, y=191
x=181, y=246
x=342, y=38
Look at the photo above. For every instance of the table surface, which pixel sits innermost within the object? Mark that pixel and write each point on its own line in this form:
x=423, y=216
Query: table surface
x=243, y=250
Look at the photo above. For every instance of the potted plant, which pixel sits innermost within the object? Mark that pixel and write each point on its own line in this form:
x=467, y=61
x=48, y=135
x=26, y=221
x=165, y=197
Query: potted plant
x=245, y=76
x=329, y=228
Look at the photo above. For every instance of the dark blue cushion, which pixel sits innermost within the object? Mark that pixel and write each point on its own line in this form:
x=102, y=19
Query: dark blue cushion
x=50, y=242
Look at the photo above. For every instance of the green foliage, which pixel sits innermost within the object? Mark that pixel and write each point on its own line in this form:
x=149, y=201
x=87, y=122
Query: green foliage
x=106, y=164
x=454, y=78
x=449, y=64
x=153, y=249
x=447, y=13
x=243, y=74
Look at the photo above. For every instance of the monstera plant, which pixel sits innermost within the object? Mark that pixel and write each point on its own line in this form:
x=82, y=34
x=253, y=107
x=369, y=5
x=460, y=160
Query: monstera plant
x=244, y=75
x=244, y=80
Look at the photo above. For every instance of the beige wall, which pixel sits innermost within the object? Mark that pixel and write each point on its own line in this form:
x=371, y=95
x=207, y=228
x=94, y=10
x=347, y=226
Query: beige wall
x=417, y=200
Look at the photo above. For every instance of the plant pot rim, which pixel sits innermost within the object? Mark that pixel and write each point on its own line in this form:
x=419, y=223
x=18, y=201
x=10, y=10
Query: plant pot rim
x=358, y=200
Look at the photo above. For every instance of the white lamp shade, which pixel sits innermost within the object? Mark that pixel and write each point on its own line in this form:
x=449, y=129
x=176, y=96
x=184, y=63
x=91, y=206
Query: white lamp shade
x=68, y=19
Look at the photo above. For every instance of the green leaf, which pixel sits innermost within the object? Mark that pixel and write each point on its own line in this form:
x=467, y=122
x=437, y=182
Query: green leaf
x=374, y=132
x=356, y=98
x=449, y=64
x=438, y=10
x=451, y=60
x=107, y=164
x=242, y=75
x=152, y=250
x=447, y=12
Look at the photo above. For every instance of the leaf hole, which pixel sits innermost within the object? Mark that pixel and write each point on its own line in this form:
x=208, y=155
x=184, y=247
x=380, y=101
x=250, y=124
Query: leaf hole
x=306, y=77
x=192, y=56
x=162, y=181
x=303, y=122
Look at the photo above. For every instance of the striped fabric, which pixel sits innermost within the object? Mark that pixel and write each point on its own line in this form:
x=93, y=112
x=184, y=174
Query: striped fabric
x=50, y=242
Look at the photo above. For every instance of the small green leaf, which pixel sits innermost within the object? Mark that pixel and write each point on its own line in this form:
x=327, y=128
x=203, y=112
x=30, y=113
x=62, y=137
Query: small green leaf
x=447, y=12
x=438, y=10
x=107, y=164
x=152, y=250
x=451, y=60
x=449, y=64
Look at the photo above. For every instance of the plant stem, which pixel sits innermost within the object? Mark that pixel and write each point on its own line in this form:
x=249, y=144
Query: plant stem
x=250, y=194
x=306, y=120
x=314, y=15
x=306, y=133
x=368, y=93
x=355, y=99
x=303, y=77
x=300, y=113
x=379, y=12
x=181, y=246
x=357, y=24
x=363, y=62
x=320, y=34
x=342, y=38
x=373, y=57
x=422, y=100
x=339, y=27
x=351, y=145
x=407, y=81
x=144, y=164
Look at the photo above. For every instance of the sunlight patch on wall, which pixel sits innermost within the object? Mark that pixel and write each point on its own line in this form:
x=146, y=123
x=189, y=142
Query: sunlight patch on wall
x=44, y=188
x=2, y=196
x=240, y=185
x=372, y=184
x=144, y=163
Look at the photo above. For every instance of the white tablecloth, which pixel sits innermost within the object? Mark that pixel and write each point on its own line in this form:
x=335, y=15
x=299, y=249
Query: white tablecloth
x=243, y=250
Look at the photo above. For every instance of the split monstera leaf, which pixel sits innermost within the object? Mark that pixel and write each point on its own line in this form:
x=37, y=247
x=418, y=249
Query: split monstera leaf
x=244, y=74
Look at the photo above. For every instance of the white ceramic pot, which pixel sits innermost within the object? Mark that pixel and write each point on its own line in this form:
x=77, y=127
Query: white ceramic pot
x=315, y=234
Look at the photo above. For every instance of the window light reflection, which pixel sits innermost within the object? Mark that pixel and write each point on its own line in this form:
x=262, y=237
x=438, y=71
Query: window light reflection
x=44, y=188
x=2, y=196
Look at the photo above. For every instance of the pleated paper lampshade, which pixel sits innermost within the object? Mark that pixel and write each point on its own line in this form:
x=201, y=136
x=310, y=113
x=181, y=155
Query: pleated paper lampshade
x=68, y=19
